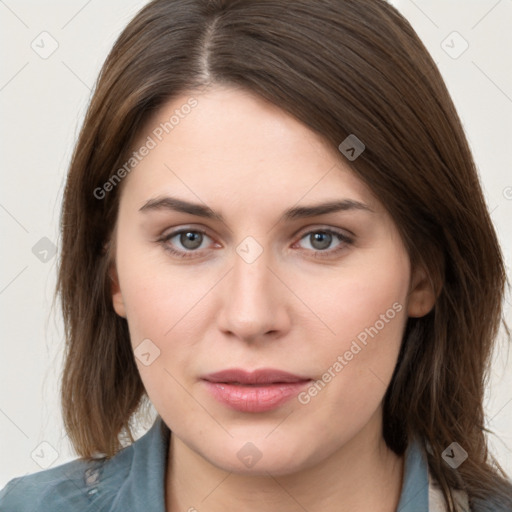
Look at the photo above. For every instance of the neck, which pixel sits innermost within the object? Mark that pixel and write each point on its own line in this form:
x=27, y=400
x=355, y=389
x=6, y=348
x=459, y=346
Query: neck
x=361, y=475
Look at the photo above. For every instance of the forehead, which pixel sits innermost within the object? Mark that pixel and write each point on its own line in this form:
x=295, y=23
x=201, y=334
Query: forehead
x=233, y=146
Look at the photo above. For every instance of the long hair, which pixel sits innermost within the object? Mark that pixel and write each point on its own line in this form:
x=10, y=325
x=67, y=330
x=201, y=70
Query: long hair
x=340, y=67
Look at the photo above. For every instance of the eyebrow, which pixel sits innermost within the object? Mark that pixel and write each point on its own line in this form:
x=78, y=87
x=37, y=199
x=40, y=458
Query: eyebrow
x=296, y=212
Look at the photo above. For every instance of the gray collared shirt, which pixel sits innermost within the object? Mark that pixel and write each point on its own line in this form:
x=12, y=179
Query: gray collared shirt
x=134, y=479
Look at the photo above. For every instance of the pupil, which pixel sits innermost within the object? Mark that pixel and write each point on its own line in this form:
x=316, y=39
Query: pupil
x=324, y=240
x=191, y=240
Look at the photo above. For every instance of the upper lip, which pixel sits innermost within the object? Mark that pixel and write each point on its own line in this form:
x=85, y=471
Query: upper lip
x=261, y=376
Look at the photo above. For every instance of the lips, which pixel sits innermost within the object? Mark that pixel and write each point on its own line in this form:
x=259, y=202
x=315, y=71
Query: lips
x=264, y=376
x=259, y=391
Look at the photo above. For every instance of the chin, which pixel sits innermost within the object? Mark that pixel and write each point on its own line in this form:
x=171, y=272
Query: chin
x=261, y=457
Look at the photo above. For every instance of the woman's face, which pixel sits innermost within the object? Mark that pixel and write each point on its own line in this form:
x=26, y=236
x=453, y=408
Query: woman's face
x=260, y=281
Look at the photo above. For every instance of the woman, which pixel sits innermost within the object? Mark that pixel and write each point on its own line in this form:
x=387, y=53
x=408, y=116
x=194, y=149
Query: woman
x=273, y=229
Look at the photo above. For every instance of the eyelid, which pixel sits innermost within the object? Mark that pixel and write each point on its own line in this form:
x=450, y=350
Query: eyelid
x=178, y=231
x=346, y=233
x=181, y=254
x=344, y=242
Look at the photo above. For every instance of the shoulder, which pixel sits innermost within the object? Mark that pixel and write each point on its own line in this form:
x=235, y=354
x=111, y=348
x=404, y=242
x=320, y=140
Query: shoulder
x=131, y=480
x=462, y=502
x=71, y=486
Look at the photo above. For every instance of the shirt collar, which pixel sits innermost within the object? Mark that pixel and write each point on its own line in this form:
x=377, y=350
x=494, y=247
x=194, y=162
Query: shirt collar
x=144, y=487
x=414, y=495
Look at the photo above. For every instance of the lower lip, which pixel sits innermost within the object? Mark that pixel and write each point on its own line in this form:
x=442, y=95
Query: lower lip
x=255, y=398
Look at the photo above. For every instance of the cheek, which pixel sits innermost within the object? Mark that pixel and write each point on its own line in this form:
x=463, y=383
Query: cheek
x=166, y=303
x=162, y=314
x=366, y=313
x=160, y=304
x=354, y=296
x=154, y=294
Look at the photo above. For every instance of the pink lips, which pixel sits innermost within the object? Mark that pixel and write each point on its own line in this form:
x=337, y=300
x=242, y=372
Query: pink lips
x=258, y=391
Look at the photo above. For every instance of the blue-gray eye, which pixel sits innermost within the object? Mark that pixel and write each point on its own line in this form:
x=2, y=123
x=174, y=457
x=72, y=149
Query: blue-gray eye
x=320, y=240
x=191, y=239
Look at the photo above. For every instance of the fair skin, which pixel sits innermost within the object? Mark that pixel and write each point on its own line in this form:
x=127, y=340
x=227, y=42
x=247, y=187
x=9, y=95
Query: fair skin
x=296, y=307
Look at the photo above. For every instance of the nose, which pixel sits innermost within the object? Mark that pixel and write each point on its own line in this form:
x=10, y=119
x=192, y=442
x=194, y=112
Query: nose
x=254, y=304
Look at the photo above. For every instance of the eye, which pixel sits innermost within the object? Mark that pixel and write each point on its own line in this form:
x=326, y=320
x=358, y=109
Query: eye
x=184, y=242
x=188, y=242
x=321, y=240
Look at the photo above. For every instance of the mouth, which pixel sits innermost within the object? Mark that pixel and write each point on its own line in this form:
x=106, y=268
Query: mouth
x=261, y=377
x=258, y=391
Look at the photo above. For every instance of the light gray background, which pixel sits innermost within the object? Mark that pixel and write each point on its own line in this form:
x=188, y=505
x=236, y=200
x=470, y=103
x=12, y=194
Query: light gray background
x=42, y=102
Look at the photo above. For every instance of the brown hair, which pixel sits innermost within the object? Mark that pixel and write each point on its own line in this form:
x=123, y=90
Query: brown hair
x=340, y=67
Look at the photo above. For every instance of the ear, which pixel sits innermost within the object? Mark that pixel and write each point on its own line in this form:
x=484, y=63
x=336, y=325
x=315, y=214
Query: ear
x=422, y=295
x=115, y=290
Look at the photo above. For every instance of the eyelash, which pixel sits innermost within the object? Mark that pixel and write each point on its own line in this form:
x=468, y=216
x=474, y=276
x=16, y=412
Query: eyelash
x=344, y=239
